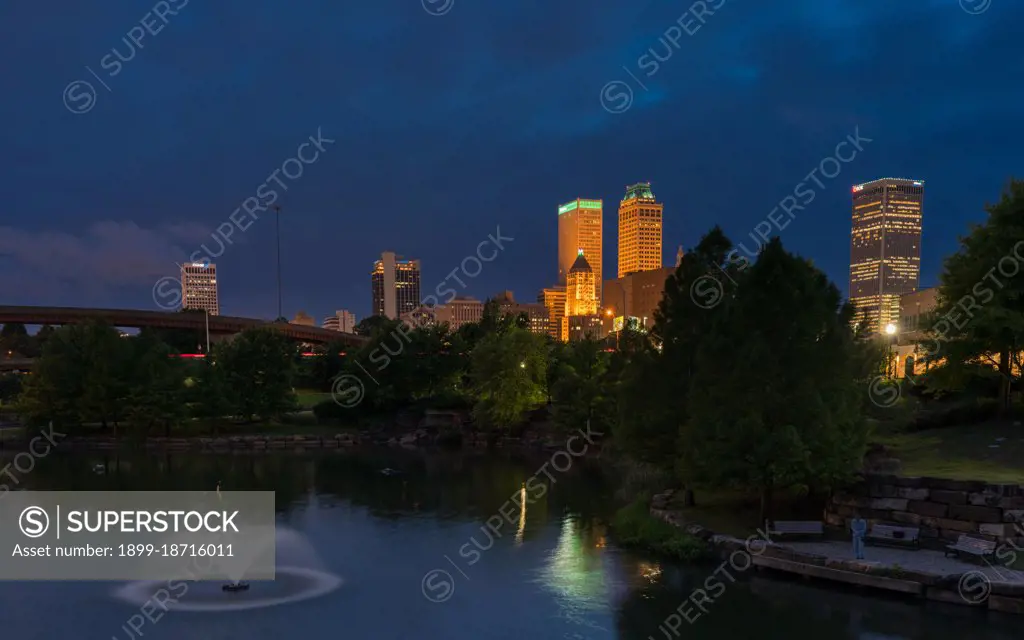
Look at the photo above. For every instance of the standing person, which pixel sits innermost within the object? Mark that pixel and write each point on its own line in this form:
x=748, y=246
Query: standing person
x=859, y=526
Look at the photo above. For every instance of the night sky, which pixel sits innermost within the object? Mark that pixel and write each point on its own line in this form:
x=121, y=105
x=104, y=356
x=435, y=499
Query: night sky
x=447, y=127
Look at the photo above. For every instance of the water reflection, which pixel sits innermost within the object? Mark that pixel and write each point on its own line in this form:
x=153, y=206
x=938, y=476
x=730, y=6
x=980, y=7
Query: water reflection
x=560, y=577
x=521, y=531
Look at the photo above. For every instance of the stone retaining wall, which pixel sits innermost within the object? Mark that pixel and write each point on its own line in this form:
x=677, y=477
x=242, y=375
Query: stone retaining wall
x=942, y=509
x=1007, y=597
x=254, y=443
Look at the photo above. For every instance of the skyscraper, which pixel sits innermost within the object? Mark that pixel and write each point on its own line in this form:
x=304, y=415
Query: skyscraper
x=199, y=287
x=885, y=249
x=396, y=285
x=581, y=316
x=639, y=230
x=579, y=227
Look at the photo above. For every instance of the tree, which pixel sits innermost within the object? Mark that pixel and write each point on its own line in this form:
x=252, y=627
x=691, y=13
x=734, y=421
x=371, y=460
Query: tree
x=775, y=400
x=508, y=370
x=371, y=325
x=156, y=396
x=207, y=393
x=258, y=368
x=585, y=390
x=81, y=376
x=656, y=383
x=980, y=315
x=107, y=376
x=14, y=339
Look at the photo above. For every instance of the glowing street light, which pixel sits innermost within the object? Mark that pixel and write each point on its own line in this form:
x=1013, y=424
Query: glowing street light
x=890, y=366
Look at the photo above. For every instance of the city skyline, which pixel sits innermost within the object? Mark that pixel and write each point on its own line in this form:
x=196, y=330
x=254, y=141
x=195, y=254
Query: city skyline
x=100, y=205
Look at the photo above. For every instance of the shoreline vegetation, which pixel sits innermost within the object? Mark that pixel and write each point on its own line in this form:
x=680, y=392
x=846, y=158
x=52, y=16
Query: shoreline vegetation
x=634, y=527
x=754, y=375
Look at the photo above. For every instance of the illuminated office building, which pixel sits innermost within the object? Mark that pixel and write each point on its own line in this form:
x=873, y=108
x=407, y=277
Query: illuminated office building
x=303, y=319
x=885, y=249
x=579, y=227
x=636, y=296
x=581, y=315
x=396, y=285
x=639, y=230
x=553, y=298
x=199, y=287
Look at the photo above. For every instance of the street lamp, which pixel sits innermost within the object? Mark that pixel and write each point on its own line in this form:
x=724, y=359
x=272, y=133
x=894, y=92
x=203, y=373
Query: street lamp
x=890, y=330
x=277, y=218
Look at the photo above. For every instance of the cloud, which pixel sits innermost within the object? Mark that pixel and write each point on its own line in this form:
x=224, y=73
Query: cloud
x=107, y=254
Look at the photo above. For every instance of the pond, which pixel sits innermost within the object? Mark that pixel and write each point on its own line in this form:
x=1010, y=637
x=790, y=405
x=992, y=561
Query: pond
x=405, y=555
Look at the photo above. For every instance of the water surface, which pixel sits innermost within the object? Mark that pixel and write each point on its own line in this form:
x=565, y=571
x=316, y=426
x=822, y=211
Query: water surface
x=414, y=560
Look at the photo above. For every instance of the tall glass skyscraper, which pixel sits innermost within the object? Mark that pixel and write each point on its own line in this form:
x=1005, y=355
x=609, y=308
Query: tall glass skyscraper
x=639, y=230
x=396, y=285
x=199, y=287
x=579, y=228
x=885, y=249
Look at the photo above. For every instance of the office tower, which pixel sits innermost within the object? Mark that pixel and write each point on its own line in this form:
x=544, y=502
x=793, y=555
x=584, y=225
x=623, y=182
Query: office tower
x=581, y=317
x=396, y=285
x=553, y=298
x=342, y=320
x=639, y=230
x=199, y=287
x=579, y=228
x=885, y=249
x=537, y=314
x=633, y=298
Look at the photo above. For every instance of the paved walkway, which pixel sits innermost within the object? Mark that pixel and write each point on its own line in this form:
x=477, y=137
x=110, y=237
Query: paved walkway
x=921, y=560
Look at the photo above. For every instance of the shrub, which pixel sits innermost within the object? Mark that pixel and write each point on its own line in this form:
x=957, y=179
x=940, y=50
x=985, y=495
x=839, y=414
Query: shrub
x=634, y=526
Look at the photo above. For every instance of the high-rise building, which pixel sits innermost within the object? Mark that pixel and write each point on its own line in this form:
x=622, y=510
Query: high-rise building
x=342, y=320
x=885, y=249
x=553, y=298
x=636, y=296
x=579, y=228
x=396, y=285
x=581, y=316
x=536, y=314
x=304, y=319
x=199, y=287
x=639, y=230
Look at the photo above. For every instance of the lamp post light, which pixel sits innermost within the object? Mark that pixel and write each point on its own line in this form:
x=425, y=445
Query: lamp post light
x=890, y=367
x=277, y=218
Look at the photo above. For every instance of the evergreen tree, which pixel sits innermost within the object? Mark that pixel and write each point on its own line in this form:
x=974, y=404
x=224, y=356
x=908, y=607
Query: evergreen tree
x=775, y=400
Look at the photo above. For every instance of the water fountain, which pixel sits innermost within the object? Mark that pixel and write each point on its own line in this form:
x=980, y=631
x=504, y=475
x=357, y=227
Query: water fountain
x=299, y=576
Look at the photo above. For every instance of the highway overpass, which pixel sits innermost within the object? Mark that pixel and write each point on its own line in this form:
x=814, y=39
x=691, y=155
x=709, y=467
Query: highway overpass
x=134, y=318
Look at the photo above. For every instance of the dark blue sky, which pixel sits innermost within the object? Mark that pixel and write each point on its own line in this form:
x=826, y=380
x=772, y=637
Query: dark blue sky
x=449, y=126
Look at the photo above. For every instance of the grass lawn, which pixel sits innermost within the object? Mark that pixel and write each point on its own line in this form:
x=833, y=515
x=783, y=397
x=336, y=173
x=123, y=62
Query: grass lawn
x=309, y=398
x=993, y=452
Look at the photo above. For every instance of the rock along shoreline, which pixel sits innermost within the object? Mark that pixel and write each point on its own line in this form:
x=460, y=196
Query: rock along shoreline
x=997, y=595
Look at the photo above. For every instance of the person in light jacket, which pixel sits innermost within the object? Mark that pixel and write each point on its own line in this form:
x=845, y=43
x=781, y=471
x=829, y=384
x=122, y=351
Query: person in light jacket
x=859, y=526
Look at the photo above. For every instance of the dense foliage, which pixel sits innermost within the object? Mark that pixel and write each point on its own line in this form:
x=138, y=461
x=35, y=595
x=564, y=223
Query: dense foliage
x=92, y=375
x=980, y=316
x=750, y=377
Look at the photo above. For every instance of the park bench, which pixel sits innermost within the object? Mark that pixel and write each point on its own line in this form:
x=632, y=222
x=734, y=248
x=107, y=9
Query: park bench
x=794, y=528
x=971, y=546
x=893, y=536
